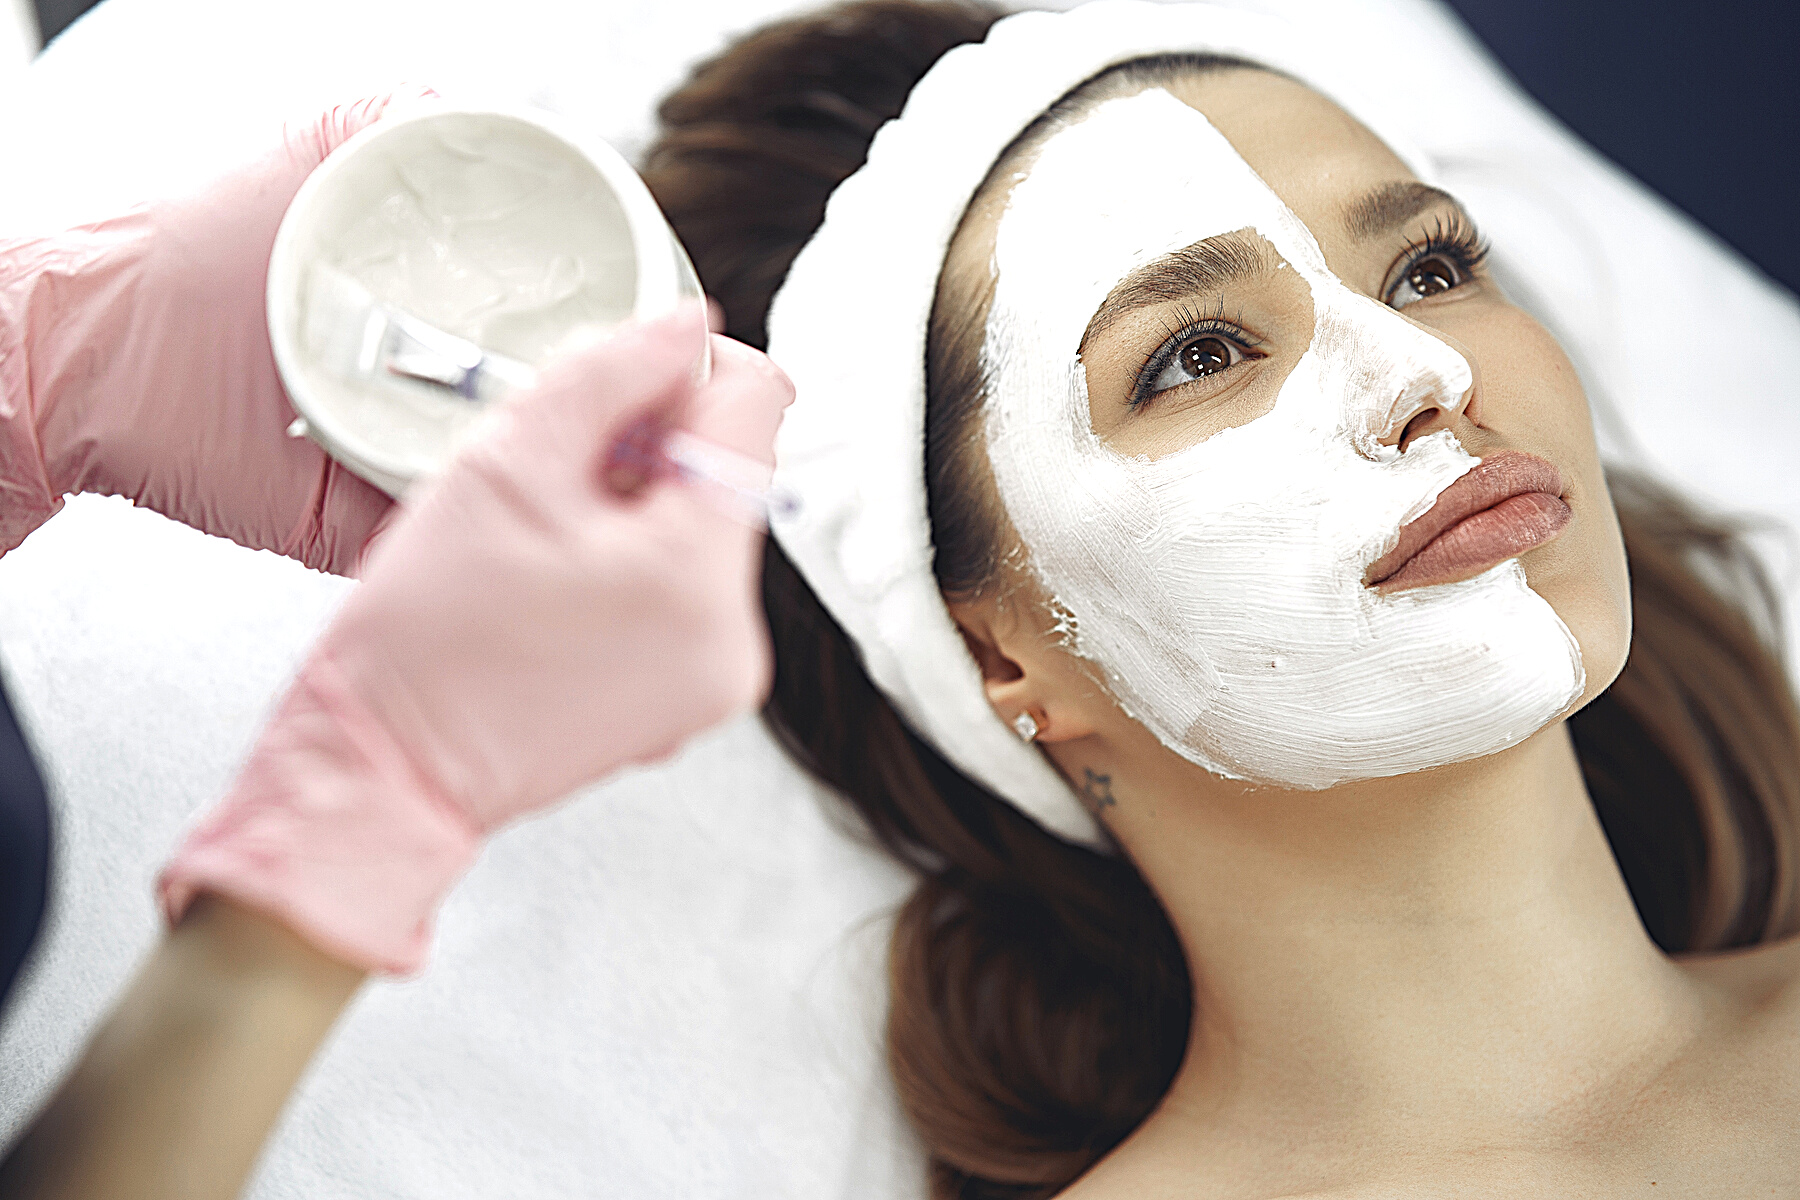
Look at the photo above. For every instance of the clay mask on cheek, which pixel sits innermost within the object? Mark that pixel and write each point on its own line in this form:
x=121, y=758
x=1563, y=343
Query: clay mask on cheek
x=1219, y=589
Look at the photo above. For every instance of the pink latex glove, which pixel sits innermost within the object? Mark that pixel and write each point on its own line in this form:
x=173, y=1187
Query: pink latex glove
x=135, y=361
x=520, y=631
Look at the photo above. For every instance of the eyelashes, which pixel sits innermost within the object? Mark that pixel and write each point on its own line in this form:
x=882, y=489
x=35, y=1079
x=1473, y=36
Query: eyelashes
x=1451, y=239
x=1185, y=328
x=1200, y=344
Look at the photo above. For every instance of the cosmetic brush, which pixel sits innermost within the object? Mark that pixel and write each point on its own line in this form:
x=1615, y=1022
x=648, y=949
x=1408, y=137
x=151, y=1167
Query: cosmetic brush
x=365, y=340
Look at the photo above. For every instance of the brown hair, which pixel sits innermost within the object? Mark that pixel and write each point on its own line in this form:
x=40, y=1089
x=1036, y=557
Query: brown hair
x=1040, y=1002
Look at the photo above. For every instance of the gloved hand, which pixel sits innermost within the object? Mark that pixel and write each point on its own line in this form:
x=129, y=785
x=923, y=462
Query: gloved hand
x=135, y=361
x=521, y=630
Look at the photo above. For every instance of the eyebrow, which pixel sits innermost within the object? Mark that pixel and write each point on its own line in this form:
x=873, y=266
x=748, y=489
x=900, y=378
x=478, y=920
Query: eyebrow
x=1392, y=205
x=1210, y=265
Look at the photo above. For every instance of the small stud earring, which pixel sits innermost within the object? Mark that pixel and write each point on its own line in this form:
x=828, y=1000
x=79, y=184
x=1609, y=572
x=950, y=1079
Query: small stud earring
x=1026, y=726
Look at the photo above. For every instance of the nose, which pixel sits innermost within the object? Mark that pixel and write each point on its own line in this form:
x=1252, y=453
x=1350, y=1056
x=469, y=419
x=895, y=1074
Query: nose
x=1427, y=419
x=1431, y=380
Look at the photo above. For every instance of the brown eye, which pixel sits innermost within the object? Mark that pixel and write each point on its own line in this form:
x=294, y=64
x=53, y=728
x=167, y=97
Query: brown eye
x=1429, y=276
x=1204, y=356
x=1200, y=356
x=1432, y=275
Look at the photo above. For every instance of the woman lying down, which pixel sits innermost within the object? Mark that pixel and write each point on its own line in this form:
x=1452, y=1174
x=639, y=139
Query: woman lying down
x=1278, y=531
x=1320, y=782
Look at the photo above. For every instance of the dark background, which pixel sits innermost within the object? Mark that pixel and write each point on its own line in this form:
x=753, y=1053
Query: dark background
x=1698, y=101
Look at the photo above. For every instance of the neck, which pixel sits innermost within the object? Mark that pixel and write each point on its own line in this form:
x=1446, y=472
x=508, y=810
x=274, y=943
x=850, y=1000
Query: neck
x=1453, y=946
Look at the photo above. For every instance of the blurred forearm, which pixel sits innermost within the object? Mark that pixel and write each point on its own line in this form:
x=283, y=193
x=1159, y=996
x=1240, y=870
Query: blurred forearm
x=179, y=1088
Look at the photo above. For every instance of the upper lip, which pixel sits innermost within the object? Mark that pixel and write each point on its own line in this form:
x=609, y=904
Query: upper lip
x=1497, y=477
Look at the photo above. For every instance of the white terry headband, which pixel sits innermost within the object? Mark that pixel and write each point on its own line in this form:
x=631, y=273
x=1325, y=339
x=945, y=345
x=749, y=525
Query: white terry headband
x=849, y=326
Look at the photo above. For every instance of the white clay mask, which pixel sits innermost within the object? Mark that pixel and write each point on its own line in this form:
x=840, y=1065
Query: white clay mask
x=505, y=229
x=484, y=227
x=492, y=230
x=1219, y=589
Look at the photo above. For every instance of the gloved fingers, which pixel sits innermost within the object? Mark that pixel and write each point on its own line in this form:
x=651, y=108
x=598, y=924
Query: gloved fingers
x=592, y=399
x=740, y=406
x=310, y=141
x=737, y=410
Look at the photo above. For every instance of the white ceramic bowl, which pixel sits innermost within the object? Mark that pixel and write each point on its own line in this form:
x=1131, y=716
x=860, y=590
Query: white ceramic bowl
x=479, y=221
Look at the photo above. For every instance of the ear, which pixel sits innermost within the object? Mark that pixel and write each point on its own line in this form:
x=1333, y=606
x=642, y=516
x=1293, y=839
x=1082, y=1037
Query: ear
x=1019, y=669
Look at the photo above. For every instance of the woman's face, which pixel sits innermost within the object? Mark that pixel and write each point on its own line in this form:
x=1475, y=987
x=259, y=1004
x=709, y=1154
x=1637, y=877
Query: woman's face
x=1235, y=349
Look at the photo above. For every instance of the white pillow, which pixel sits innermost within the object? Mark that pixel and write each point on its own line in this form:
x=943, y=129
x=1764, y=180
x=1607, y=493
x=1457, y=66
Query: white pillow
x=674, y=985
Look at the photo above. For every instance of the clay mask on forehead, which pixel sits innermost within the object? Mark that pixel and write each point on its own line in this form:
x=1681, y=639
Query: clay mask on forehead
x=1219, y=589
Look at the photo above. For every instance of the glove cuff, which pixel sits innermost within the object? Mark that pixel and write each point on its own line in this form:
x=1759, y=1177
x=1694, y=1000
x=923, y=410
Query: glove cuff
x=330, y=829
x=26, y=498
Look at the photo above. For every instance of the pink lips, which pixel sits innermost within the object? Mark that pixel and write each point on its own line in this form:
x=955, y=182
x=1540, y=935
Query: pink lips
x=1509, y=503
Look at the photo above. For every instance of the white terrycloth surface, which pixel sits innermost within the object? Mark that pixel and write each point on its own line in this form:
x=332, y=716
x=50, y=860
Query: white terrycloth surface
x=672, y=987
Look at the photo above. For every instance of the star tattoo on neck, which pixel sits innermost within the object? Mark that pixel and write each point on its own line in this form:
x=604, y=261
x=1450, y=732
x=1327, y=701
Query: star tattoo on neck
x=1096, y=789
